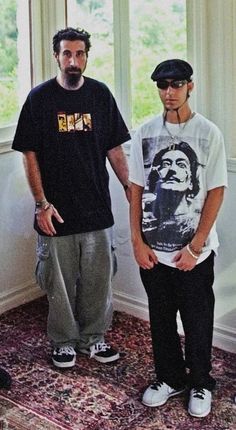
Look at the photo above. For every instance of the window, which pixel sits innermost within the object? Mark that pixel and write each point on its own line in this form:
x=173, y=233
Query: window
x=98, y=16
x=152, y=29
x=15, y=62
x=157, y=32
x=141, y=33
x=129, y=37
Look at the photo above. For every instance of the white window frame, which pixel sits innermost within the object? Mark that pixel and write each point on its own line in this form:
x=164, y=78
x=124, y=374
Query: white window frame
x=6, y=131
x=45, y=18
x=122, y=57
x=211, y=47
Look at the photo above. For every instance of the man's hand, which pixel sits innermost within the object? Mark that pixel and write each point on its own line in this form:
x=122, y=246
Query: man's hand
x=144, y=255
x=184, y=261
x=44, y=219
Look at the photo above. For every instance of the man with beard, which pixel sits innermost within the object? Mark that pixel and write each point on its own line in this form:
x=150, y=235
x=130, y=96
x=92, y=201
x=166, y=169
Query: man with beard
x=67, y=129
x=178, y=175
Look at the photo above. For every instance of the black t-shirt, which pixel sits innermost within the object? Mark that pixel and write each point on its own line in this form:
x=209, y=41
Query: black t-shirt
x=71, y=132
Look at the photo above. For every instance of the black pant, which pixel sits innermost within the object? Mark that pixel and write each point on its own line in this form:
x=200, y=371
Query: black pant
x=170, y=290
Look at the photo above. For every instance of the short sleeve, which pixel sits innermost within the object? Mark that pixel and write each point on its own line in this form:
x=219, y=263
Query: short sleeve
x=26, y=136
x=136, y=164
x=216, y=175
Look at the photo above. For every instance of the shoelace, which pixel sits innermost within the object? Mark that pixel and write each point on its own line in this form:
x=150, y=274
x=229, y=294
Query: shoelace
x=98, y=347
x=199, y=393
x=68, y=350
x=156, y=385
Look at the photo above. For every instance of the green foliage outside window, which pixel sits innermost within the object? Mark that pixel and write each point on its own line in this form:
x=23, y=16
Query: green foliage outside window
x=157, y=32
x=8, y=66
x=96, y=17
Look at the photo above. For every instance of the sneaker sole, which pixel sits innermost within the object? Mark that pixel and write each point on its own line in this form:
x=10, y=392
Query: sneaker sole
x=153, y=405
x=64, y=365
x=200, y=415
x=106, y=359
x=103, y=360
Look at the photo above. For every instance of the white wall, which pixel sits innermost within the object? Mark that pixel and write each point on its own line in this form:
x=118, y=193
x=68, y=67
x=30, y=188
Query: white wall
x=17, y=238
x=225, y=283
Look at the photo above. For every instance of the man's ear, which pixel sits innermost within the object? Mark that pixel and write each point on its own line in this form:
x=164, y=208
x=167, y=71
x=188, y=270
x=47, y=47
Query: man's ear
x=56, y=56
x=190, y=87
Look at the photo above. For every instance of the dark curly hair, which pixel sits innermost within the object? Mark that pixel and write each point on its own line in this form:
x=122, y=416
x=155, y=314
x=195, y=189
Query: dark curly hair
x=70, y=33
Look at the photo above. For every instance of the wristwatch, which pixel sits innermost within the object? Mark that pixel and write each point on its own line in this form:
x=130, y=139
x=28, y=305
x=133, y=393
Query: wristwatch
x=42, y=204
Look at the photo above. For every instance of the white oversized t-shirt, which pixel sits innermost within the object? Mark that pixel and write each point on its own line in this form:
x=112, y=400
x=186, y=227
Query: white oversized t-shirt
x=176, y=176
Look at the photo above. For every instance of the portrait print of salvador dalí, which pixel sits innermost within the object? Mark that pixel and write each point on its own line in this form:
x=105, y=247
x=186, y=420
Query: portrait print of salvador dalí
x=171, y=207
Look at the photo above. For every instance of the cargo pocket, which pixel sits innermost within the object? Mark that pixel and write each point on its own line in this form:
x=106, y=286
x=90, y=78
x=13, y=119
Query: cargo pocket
x=43, y=271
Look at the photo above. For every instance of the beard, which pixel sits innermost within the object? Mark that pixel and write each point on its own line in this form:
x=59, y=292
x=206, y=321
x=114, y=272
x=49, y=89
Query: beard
x=72, y=76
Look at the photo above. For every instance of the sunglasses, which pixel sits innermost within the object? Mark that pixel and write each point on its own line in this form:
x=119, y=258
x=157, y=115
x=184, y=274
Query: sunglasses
x=163, y=85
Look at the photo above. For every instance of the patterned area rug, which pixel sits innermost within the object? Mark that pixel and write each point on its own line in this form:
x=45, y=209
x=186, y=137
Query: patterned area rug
x=94, y=396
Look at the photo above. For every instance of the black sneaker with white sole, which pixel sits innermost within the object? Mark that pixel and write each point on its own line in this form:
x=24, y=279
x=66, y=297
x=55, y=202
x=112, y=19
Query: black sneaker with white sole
x=64, y=357
x=101, y=352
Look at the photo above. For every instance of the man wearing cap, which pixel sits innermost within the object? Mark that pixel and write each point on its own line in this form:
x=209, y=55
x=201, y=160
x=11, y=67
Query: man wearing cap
x=175, y=151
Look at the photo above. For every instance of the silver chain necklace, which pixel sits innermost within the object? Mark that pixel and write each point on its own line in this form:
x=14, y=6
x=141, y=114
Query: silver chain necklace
x=176, y=138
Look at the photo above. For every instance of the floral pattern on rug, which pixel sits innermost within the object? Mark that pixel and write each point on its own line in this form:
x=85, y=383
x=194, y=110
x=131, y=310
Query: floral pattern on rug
x=91, y=395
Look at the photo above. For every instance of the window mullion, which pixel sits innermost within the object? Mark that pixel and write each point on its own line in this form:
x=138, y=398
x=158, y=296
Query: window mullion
x=47, y=18
x=122, y=57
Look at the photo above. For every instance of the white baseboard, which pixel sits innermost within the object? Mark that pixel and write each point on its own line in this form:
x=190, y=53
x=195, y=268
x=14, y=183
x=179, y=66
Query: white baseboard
x=224, y=337
x=21, y=294
x=131, y=305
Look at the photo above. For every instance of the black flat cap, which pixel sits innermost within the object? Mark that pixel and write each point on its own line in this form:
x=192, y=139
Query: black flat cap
x=172, y=69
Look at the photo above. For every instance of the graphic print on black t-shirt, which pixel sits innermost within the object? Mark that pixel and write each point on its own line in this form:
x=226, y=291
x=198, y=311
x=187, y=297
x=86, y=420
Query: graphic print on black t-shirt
x=171, y=208
x=74, y=122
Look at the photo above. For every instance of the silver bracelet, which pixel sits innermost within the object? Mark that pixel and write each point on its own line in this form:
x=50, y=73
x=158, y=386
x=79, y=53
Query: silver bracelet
x=191, y=253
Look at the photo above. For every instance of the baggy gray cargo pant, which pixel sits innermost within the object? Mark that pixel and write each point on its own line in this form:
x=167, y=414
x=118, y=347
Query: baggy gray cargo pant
x=76, y=273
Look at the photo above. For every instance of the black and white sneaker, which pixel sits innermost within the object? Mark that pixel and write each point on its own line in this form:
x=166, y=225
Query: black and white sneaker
x=102, y=352
x=64, y=357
